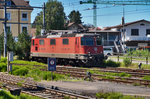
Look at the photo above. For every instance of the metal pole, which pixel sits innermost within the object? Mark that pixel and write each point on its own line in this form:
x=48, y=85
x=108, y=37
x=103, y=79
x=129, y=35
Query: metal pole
x=44, y=25
x=5, y=32
x=95, y=14
x=52, y=75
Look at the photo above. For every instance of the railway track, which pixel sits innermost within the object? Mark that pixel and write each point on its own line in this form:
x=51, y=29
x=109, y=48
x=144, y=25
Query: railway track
x=133, y=72
x=81, y=73
x=31, y=87
x=102, y=77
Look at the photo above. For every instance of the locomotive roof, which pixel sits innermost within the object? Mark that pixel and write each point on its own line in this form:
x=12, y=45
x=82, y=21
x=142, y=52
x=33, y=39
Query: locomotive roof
x=67, y=35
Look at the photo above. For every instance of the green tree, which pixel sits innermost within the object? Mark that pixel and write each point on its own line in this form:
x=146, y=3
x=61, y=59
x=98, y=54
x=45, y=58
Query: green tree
x=75, y=16
x=55, y=17
x=1, y=43
x=23, y=46
x=38, y=23
x=10, y=42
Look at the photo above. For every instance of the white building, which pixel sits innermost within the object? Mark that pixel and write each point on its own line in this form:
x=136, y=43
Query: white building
x=136, y=34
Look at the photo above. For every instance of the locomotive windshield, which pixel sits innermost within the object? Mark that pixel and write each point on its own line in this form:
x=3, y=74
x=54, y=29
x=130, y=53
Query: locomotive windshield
x=98, y=41
x=87, y=41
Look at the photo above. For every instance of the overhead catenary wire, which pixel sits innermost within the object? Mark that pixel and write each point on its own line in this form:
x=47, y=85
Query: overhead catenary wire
x=127, y=12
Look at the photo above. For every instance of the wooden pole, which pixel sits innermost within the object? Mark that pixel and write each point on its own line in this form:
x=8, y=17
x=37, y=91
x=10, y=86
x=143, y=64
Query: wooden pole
x=8, y=62
x=146, y=60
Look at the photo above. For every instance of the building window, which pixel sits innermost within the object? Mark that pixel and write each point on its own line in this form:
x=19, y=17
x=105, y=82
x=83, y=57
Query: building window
x=24, y=16
x=142, y=24
x=8, y=28
x=147, y=32
x=41, y=42
x=8, y=3
x=52, y=42
x=65, y=41
x=8, y=15
x=24, y=28
x=134, y=32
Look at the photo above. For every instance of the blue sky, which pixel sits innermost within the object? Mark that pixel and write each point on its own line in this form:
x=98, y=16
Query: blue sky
x=107, y=15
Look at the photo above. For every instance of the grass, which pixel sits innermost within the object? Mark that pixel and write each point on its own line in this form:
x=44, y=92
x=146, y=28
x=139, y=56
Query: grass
x=7, y=95
x=27, y=62
x=115, y=95
x=123, y=74
x=135, y=66
x=136, y=84
x=146, y=78
x=29, y=70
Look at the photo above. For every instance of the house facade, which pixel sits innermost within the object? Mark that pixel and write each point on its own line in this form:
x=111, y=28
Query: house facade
x=19, y=17
x=134, y=34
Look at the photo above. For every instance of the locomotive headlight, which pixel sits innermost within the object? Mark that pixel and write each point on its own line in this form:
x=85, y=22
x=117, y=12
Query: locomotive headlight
x=89, y=55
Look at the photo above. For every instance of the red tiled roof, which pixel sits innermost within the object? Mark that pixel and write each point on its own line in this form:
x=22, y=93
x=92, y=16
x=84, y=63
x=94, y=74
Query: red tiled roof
x=19, y=3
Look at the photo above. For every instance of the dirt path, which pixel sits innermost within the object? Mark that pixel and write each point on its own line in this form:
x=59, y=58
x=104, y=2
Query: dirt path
x=94, y=87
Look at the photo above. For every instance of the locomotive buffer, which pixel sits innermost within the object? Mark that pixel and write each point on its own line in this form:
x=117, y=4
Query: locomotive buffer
x=51, y=65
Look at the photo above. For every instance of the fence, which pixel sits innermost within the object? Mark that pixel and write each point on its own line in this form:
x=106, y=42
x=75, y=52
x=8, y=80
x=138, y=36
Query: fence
x=133, y=58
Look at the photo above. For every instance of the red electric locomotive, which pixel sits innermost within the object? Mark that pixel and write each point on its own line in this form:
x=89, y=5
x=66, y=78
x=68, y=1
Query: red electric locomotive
x=73, y=49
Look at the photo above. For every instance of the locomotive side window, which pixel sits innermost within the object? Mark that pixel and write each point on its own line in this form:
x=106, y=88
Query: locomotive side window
x=87, y=41
x=41, y=42
x=65, y=41
x=33, y=42
x=98, y=41
x=52, y=42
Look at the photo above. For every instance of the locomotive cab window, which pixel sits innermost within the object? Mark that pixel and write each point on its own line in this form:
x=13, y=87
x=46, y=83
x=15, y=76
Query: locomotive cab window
x=33, y=42
x=41, y=42
x=98, y=41
x=87, y=41
x=65, y=41
x=52, y=42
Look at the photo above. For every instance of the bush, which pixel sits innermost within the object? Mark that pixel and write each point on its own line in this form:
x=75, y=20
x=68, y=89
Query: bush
x=102, y=95
x=21, y=72
x=3, y=60
x=127, y=61
x=47, y=76
x=6, y=95
x=114, y=95
x=111, y=63
x=3, y=67
x=139, y=53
